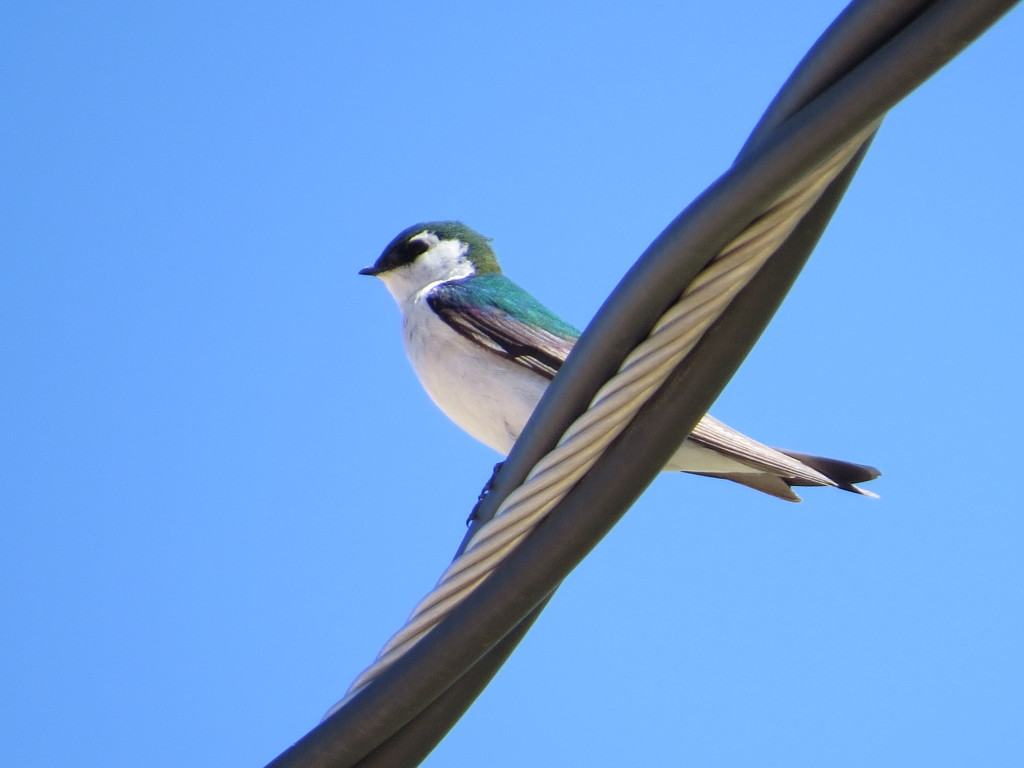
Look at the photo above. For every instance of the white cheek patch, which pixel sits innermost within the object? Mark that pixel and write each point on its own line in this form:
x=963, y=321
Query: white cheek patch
x=447, y=260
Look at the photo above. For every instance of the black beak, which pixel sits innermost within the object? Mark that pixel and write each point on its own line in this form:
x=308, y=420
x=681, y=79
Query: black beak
x=371, y=271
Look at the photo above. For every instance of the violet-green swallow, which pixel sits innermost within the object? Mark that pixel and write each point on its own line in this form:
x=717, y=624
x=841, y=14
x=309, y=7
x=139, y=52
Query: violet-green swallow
x=485, y=350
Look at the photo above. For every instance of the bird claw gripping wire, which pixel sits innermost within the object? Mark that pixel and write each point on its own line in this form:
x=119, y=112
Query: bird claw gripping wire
x=488, y=487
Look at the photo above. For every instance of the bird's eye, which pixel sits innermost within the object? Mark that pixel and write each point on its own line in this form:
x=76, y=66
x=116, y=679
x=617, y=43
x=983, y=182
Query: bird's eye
x=405, y=253
x=412, y=248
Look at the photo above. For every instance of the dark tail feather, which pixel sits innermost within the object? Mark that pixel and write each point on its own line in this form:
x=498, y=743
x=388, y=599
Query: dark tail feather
x=845, y=474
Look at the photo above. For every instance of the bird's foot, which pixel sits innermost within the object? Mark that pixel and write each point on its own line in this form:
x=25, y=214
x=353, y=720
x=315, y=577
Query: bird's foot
x=488, y=487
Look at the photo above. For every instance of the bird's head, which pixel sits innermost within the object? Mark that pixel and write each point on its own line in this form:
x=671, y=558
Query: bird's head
x=430, y=253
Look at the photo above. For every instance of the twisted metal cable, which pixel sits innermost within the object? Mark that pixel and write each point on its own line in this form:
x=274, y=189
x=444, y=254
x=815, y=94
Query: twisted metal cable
x=642, y=372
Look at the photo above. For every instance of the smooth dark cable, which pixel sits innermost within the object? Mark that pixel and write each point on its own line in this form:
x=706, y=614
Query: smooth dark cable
x=857, y=33
x=419, y=736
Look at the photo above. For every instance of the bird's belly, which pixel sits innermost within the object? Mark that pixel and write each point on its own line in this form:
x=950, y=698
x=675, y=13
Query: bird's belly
x=489, y=396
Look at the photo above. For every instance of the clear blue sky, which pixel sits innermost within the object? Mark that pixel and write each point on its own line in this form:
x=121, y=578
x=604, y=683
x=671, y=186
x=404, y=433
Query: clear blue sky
x=222, y=488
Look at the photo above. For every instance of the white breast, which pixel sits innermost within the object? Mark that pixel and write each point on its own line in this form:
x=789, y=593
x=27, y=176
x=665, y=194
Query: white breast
x=491, y=397
x=488, y=396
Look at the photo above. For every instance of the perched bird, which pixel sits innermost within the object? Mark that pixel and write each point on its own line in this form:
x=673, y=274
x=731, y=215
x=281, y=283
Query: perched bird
x=485, y=350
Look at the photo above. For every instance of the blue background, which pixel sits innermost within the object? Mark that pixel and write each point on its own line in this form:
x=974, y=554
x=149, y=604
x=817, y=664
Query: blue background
x=222, y=488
